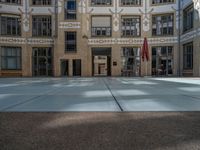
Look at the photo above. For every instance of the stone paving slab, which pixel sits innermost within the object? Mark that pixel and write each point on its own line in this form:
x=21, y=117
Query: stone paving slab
x=99, y=94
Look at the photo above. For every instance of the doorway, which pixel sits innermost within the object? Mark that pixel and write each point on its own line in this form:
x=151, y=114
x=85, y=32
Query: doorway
x=101, y=61
x=77, y=67
x=42, y=61
x=64, y=68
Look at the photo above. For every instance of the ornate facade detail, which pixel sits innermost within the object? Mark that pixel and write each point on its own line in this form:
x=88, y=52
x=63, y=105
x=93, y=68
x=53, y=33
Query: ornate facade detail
x=116, y=13
x=26, y=12
x=146, y=16
x=69, y=25
x=34, y=41
x=190, y=35
x=132, y=41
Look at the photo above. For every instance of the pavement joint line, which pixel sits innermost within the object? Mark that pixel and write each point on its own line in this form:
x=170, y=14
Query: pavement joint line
x=196, y=98
x=26, y=101
x=121, y=109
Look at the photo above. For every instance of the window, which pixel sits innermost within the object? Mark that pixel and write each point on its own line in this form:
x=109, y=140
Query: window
x=188, y=18
x=130, y=61
x=188, y=56
x=70, y=41
x=162, y=1
x=41, y=26
x=41, y=2
x=163, y=24
x=11, y=1
x=70, y=9
x=162, y=60
x=131, y=26
x=101, y=26
x=130, y=2
x=10, y=58
x=10, y=25
x=101, y=2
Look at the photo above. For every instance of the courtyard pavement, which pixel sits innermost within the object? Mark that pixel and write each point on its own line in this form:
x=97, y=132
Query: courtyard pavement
x=99, y=94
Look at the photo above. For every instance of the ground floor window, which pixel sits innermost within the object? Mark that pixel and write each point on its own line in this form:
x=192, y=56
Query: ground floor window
x=188, y=56
x=130, y=61
x=10, y=58
x=162, y=60
x=42, y=61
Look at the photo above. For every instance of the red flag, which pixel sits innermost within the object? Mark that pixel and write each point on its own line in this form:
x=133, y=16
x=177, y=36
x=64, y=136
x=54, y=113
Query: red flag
x=145, y=50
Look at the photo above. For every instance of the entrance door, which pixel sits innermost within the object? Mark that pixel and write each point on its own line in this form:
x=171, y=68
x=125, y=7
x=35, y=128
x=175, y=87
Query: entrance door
x=100, y=65
x=76, y=67
x=101, y=61
x=64, y=68
x=42, y=62
x=162, y=61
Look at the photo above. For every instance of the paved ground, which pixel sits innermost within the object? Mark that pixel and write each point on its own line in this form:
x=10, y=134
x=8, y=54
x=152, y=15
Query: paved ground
x=99, y=94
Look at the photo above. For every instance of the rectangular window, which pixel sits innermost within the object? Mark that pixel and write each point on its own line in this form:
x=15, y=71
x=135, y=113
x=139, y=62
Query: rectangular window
x=10, y=25
x=42, y=26
x=101, y=2
x=162, y=1
x=163, y=24
x=10, y=58
x=130, y=26
x=70, y=9
x=188, y=18
x=41, y=2
x=188, y=56
x=130, y=2
x=11, y=1
x=101, y=26
x=70, y=41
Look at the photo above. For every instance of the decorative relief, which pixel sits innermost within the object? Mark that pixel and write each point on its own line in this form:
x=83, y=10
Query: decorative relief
x=69, y=25
x=146, y=17
x=116, y=13
x=197, y=9
x=26, y=12
x=133, y=41
x=10, y=40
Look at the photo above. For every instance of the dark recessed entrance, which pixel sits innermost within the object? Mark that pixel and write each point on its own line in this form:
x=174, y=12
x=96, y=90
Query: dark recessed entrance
x=101, y=61
x=42, y=61
x=64, y=68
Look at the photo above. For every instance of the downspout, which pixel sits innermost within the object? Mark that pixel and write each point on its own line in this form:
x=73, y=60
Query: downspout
x=179, y=37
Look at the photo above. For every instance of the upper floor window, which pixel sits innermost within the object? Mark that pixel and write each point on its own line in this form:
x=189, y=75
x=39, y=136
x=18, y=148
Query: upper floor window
x=188, y=56
x=10, y=58
x=70, y=41
x=130, y=2
x=41, y=2
x=101, y=2
x=162, y=1
x=163, y=24
x=11, y=1
x=188, y=18
x=42, y=26
x=130, y=26
x=101, y=26
x=70, y=9
x=10, y=25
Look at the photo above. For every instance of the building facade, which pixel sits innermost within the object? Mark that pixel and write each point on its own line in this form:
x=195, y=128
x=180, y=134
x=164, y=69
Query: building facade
x=99, y=37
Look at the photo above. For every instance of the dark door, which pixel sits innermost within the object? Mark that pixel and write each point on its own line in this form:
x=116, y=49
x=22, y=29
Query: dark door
x=64, y=68
x=76, y=67
x=42, y=62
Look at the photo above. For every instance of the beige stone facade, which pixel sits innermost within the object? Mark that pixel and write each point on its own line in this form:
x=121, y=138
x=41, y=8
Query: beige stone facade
x=85, y=42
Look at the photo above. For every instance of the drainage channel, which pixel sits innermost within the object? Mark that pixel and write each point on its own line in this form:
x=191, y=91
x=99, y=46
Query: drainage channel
x=118, y=104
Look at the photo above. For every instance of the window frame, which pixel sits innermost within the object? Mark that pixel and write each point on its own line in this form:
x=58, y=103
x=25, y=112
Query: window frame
x=67, y=42
x=185, y=56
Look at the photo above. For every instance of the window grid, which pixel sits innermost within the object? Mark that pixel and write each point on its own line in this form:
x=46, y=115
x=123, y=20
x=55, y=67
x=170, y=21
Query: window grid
x=131, y=26
x=10, y=58
x=11, y=1
x=42, y=26
x=188, y=56
x=163, y=24
x=70, y=42
x=10, y=25
x=101, y=2
x=188, y=18
x=70, y=9
x=131, y=2
x=41, y=2
x=162, y=1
